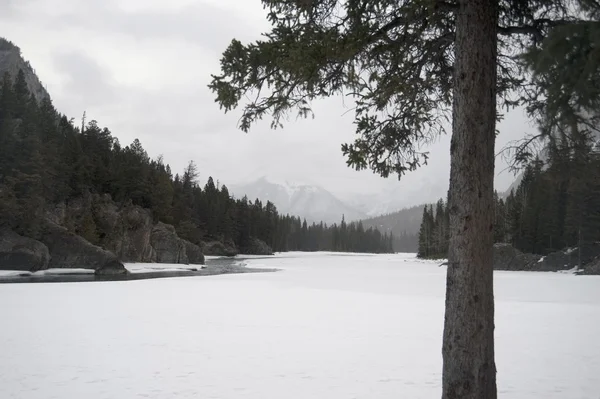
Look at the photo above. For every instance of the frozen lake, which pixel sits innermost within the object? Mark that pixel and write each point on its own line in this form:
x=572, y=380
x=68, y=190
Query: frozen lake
x=326, y=326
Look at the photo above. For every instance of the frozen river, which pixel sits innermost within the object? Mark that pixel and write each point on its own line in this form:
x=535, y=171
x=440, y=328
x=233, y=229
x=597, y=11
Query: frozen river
x=325, y=326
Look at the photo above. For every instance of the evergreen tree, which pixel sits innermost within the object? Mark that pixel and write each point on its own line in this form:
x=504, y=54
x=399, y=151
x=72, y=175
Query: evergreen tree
x=425, y=234
x=417, y=59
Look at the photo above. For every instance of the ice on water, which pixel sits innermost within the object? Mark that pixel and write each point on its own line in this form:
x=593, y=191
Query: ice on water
x=325, y=326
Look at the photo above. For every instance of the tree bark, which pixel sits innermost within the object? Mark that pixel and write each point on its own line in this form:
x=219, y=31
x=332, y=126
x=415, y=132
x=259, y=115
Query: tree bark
x=469, y=369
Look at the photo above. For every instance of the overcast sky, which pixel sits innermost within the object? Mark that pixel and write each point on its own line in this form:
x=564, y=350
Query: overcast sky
x=140, y=68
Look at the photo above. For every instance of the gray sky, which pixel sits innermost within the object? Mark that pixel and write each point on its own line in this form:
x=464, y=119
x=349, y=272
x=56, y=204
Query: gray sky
x=140, y=67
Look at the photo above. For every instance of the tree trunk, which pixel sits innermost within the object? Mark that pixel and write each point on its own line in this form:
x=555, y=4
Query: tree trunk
x=469, y=370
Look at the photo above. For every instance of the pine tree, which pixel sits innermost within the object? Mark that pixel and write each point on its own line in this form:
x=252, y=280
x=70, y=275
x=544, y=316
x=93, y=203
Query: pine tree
x=320, y=49
x=425, y=239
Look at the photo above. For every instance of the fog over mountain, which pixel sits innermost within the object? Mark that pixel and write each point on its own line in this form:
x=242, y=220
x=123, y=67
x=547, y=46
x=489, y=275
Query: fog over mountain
x=307, y=201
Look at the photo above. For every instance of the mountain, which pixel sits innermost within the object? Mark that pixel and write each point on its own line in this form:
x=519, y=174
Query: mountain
x=11, y=61
x=407, y=220
x=307, y=201
x=395, y=197
x=403, y=224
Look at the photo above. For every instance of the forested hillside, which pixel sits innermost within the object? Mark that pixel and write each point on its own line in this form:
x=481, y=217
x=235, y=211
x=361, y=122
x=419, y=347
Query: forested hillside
x=403, y=224
x=555, y=206
x=45, y=159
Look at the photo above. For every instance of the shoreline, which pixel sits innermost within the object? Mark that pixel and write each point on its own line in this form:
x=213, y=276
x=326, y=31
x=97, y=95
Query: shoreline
x=213, y=267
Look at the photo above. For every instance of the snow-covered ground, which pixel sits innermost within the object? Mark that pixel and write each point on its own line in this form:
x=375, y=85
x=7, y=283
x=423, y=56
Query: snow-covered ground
x=326, y=326
x=47, y=272
x=159, y=267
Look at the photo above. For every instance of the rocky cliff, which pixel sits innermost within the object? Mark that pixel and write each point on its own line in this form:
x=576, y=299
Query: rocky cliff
x=126, y=230
x=11, y=61
x=94, y=232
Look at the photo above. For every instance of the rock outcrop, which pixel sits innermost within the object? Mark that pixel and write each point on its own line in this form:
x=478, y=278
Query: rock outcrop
x=126, y=231
x=11, y=61
x=69, y=250
x=217, y=248
x=170, y=248
x=592, y=268
x=257, y=247
x=506, y=257
x=22, y=253
x=194, y=253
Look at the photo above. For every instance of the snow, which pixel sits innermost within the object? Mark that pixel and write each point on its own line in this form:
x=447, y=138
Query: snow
x=14, y=273
x=47, y=272
x=572, y=270
x=51, y=272
x=325, y=326
x=159, y=267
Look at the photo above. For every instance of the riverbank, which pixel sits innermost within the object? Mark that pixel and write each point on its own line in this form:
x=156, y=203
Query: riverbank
x=137, y=271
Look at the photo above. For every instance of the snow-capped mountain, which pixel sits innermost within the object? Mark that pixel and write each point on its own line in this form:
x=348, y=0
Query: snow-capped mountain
x=396, y=196
x=307, y=201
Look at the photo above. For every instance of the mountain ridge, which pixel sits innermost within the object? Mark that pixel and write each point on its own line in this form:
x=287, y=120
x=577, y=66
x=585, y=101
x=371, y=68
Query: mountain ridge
x=309, y=201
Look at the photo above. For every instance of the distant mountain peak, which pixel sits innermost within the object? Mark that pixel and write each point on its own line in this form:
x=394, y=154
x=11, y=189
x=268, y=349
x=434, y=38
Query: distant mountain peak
x=309, y=201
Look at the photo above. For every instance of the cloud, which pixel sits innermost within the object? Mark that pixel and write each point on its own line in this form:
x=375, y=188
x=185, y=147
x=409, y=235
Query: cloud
x=86, y=81
x=141, y=69
x=204, y=25
x=7, y=8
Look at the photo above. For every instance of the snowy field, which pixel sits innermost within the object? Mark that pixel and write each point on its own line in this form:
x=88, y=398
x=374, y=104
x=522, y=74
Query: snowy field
x=326, y=326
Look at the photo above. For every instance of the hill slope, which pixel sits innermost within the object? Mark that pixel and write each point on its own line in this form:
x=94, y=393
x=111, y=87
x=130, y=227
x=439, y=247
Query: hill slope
x=11, y=62
x=403, y=224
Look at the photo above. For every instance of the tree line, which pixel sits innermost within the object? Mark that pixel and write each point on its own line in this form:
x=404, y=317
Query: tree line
x=434, y=232
x=46, y=159
x=556, y=205
x=404, y=224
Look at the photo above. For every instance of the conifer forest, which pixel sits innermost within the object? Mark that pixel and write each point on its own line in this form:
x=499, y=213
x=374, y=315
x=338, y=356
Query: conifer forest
x=45, y=159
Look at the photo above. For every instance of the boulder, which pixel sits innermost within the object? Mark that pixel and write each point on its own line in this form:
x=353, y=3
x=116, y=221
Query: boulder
x=194, y=253
x=168, y=246
x=217, y=248
x=22, y=253
x=506, y=257
x=68, y=250
x=592, y=268
x=114, y=268
x=559, y=260
x=257, y=247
